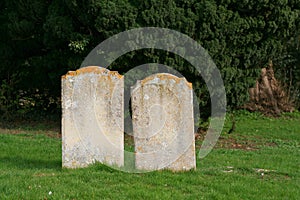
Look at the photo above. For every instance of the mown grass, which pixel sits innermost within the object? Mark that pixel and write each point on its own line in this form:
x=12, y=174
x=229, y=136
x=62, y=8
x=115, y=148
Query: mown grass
x=260, y=160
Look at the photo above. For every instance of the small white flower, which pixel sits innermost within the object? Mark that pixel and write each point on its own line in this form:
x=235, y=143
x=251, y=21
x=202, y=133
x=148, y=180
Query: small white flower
x=50, y=193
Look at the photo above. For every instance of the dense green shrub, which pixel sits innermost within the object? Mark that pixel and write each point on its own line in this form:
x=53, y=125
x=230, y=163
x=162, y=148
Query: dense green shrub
x=42, y=40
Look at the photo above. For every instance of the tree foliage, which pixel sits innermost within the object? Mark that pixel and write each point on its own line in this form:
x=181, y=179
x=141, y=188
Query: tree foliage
x=41, y=40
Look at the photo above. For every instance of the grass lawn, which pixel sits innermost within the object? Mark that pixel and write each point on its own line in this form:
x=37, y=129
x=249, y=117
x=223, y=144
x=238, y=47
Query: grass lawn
x=260, y=160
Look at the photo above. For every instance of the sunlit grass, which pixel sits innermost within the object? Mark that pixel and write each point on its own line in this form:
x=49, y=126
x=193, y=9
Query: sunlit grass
x=30, y=167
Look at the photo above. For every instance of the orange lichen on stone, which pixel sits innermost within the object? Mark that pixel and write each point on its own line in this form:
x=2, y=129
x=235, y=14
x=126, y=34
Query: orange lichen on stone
x=189, y=84
x=115, y=73
x=165, y=76
x=69, y=73
x=91, y=69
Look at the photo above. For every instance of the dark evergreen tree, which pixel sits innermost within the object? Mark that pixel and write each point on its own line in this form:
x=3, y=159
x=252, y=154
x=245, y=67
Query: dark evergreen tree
x=41, y=40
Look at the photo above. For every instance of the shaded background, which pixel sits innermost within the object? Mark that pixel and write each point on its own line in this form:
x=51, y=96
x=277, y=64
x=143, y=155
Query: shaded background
x=41, y=40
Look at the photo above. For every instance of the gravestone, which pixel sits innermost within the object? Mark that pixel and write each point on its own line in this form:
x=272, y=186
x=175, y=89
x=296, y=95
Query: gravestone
x=163, y=123
x=92, y=119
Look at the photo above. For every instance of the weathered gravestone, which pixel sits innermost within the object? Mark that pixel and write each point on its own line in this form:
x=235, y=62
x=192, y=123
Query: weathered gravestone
x=163, y=123
x=92, y=121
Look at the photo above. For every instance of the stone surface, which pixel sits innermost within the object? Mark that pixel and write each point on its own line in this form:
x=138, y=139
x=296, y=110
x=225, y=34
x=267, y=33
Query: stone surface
x=163, y=124
x=92, y=118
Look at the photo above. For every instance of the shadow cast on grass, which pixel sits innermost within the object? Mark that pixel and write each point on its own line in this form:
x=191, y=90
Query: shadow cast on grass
x=22, y=163
x=33, y=125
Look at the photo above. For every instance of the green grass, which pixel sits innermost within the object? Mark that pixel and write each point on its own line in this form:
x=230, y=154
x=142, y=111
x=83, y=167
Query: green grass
x=30, y=167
